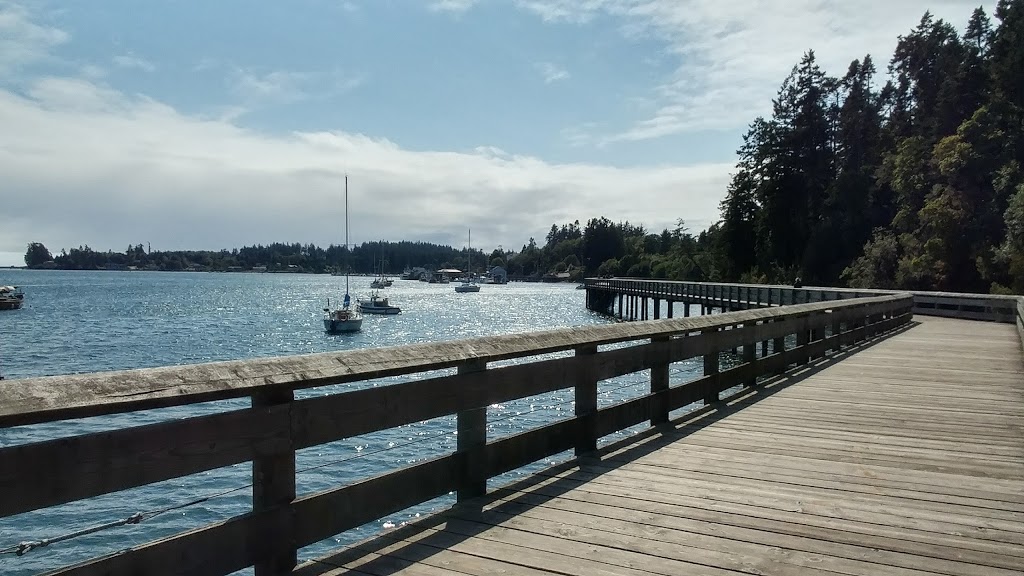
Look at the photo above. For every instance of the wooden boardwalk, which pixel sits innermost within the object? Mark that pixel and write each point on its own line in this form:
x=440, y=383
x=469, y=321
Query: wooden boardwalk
x=903, y=457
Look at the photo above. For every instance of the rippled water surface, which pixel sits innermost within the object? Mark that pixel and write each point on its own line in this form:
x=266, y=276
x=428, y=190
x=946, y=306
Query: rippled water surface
x=93, y=321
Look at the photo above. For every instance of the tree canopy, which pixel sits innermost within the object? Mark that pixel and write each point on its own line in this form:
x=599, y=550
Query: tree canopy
x=912, y=185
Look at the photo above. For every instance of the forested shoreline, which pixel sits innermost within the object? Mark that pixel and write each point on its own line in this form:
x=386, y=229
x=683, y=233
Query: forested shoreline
x=914, y=184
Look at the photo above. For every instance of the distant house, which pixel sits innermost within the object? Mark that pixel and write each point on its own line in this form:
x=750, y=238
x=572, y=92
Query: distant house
x=498, y=275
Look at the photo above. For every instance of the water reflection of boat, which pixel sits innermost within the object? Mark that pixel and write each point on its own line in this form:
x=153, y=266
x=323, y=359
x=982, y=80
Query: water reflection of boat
x=11, y=297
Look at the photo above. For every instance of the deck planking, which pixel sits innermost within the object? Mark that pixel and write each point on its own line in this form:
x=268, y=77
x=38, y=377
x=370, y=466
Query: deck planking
x=905, y=457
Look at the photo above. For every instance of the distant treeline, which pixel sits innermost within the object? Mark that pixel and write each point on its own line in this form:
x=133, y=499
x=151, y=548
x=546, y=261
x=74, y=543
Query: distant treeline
x=600, y=248
x=368, y=258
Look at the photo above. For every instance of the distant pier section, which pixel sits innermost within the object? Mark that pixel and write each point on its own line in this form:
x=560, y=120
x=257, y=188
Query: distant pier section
x=643, y=299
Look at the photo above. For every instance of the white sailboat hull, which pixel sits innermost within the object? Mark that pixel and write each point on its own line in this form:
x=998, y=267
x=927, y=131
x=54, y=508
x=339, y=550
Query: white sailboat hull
x=342, y=326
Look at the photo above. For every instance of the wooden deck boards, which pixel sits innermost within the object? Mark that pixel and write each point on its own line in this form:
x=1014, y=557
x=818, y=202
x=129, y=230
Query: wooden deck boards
x=903, y=458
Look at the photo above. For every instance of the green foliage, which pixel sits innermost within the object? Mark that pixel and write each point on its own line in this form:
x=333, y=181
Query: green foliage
x=908, y=186
x=277, y=257
x=37, y=255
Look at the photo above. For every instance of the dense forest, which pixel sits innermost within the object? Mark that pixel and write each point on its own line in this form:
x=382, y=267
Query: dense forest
x=916, y=184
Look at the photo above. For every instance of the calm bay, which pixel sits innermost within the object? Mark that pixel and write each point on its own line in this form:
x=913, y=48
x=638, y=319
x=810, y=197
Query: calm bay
x=75, y=322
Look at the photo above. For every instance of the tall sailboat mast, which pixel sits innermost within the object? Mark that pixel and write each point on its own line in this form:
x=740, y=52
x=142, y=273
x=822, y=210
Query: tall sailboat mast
x=348, y=256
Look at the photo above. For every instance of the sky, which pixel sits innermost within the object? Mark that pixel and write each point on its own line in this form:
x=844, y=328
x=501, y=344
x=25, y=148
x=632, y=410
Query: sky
x=210, y=125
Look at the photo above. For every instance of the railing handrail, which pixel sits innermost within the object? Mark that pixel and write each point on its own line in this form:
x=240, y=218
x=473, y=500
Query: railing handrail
x=52, y=398
x=841, y=290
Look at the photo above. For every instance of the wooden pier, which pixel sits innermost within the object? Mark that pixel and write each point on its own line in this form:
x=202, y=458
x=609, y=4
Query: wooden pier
x=883, y=463
x=641, y=299
x=857, y=438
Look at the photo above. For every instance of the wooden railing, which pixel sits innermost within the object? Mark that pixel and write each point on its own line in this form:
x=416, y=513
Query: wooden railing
x=988, y=307
x=1020, y=320
x=43, y=474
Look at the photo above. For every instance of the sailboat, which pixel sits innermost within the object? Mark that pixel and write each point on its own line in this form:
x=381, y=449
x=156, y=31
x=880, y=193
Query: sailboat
x=381, y=281
x=466, y=285
x=343, y=319
x=377, y=304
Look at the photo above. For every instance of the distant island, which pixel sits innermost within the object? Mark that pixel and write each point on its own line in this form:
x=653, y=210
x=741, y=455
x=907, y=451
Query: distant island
x=570, y=252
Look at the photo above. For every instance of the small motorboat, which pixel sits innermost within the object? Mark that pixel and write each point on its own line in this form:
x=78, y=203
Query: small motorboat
x=377, y=304
x=11, y=297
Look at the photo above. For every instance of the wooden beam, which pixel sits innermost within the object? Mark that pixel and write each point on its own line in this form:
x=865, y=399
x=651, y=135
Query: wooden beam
x=472, y=437
x=273, y=486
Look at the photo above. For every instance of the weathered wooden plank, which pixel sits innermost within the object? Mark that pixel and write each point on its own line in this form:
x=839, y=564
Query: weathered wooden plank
x=837, y=506
x=322, y=515
x=54, y=472
x=743, y=465
x=575, y=485
x=527, y=447
x=333, y=417
x=213, y=550
x=273, y=486
x=849, y=541
x=603, y=524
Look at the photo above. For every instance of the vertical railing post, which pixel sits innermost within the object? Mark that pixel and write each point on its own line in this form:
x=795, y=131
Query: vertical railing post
x=779, y=343
x=586, y=398
x=837, y=329
x=817, y=327
x=750, y=353
x=471, y=442
x=801, y=339
x=660, y=381
x=273, y=485
x=711, y=368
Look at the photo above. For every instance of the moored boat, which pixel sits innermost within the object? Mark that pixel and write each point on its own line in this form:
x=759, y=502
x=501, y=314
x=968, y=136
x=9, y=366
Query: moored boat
x=377, y=304
x=11, y=297
x=467, y=284
x=343, y=319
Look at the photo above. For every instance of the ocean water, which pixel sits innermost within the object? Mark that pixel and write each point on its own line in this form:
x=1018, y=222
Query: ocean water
x=76, y=322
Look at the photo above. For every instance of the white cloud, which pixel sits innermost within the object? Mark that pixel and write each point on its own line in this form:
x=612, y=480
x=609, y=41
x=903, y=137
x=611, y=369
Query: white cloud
x=86, y=164
x=581, y=135
x=456, y=6
x=732, y=56
x=551, y=72
x=278, y=86
x=23, y=42
x=130, y=61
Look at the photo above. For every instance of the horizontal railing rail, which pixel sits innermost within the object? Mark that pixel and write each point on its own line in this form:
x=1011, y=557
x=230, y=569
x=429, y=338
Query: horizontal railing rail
x=49, y=473
x=987, y=307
